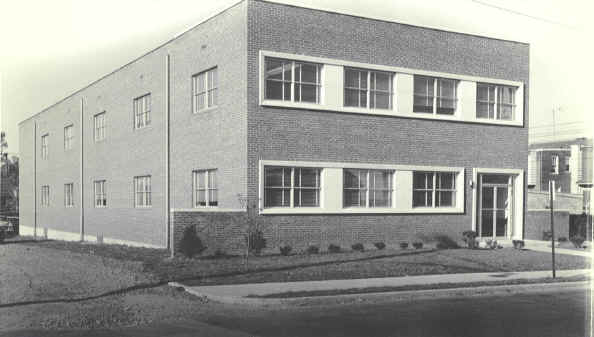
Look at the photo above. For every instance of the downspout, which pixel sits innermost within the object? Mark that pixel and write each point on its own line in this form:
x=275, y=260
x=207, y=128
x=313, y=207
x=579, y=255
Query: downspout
x=169, y=230
x=82, y=181
x=35, y=180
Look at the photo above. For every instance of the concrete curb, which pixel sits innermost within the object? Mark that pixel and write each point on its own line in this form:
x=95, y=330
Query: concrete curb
x=402, y=295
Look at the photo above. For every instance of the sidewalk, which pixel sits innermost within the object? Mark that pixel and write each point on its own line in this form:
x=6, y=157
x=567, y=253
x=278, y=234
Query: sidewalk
x=545, y=247
x=239, y=293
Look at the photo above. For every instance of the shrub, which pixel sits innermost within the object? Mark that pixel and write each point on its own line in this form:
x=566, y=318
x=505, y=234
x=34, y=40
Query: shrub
x=285, y=250
x=518, y=244
x=358, y=247
x=492, y=244
x=577, y=241
x=403, y=245
x=547, y=235
x=562, y=239
x=313, y=249
x=417, y=244
x=256, y=241
x=470, y=239
x=190, y=243
x=445, y=242
x=380, y=245
x=332, y=248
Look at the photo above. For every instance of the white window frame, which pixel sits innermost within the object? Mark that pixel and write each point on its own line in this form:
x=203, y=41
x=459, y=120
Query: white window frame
x=435, y=189
x=99, y=193
x=45, y=146
x=210, y=80
x=555, y=164
x=45, y=195
x=207, y=187
x=292, y=187
x=368, y=91
x=146, y=192
x=437, y=81
x=495, y=103
x=368, y=190
x=293, y=82
x=68, y=137
x=69, y=195
x=142, y=111
x=99, y=121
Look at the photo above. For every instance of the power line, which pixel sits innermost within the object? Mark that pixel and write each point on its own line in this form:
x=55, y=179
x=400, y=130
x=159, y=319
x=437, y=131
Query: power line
x=524, y=14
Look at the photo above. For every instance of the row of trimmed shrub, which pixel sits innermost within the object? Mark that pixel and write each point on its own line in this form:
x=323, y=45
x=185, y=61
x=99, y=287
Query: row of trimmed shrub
x=358, y=247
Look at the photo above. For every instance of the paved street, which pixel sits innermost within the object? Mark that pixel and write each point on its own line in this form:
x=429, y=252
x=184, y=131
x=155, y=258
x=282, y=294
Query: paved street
x=550, y=312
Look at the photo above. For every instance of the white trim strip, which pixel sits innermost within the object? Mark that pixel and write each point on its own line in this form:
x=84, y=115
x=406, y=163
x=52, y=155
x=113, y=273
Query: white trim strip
x=207, y=210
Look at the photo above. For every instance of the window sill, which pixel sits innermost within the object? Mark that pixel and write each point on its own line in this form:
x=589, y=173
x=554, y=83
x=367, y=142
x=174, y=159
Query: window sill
x=370, y=210
x=212, y=108
x=143, y=207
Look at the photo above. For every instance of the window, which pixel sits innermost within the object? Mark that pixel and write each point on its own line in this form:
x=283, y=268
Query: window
x=142, y=111
x=495, y=101
x=45, y=195
x=69, y=195
x=205, y=188
x=68, y=137
x=434, y=189
x=99, y=129
x=142, y=191
x=204, y=90
x=293, y=81
x=555, y=164
x=100, y=195
x=435, y=95
x=376, y=95
x=566, y=160
x=367, y=188
x=44, y=146
x=291, y=187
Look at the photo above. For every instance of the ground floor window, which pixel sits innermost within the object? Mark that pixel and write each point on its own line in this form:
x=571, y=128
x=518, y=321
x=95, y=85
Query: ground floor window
x=367, y=188
x=434, y=189
x=291, y=187
x=100, y=195
x=69, y=195
x=142, y=191
x=205, y=188
x=45, y=195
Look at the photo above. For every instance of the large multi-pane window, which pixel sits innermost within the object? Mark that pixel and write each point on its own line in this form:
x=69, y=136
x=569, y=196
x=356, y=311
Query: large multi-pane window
x=434, y=189
x=100, y=194
x=142, y=191
x=142, y=111
x=69, y=195
x=555, y=164
x=68, y=137
x=205, y=188
x=291, y=187
x=435, y=95
x=495, y=101
x=45, y=195
x=294, y=81
x=99, y=126
x=367, y=188
x=205, y=90
x=367, y=89
x=44, y=146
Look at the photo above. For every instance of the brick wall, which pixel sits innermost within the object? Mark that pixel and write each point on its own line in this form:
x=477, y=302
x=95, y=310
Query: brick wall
x=539, y=221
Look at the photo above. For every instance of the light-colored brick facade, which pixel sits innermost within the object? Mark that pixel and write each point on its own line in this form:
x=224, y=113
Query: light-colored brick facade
x=240, y=132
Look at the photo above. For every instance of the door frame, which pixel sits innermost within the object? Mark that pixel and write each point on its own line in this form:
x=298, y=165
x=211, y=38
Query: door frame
x=516, y=231
x=496, y=189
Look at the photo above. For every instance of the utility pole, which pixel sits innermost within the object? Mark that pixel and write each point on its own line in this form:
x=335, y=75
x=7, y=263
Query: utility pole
x=551, y=198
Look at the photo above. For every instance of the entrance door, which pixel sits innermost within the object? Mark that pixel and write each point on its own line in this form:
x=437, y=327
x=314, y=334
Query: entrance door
x=495, y=205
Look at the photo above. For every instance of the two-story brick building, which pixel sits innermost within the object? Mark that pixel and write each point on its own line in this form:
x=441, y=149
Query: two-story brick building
x=329, y=128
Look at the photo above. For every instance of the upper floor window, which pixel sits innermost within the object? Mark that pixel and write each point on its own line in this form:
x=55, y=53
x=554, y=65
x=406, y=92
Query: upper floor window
x=367, y=89
x=291, y=187
x=434, y=189
x=44, y=146
x=205, y=188
x=204, y=90
x=495, y=101
x=100, y=195
x=435, y=95
x=367, y=188
x=555, y=164
x=142, y=191
x=293, y=81
x=142, y=111
x=68, y=137
x=69, y=195
x=45, y=195
x=99, y=126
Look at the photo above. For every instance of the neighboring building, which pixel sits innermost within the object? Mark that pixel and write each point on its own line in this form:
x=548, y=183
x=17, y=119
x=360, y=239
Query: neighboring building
x=568, y=163
x=326, y=127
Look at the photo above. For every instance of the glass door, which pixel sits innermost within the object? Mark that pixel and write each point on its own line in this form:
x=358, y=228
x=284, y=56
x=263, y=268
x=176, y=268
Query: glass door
x=495, y=205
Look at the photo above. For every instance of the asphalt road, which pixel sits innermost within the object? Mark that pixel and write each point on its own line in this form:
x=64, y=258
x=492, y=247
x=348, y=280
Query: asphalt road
x=550, y=312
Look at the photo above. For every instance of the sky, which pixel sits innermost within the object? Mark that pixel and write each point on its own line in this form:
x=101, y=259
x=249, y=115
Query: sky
x=62, y=45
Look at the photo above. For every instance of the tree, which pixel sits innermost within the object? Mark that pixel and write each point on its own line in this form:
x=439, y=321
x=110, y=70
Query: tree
x=9, y=179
